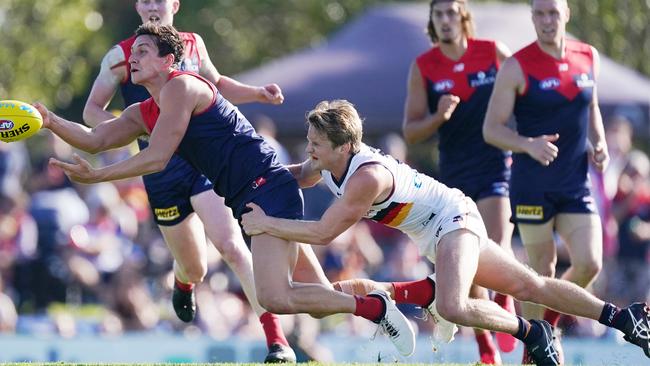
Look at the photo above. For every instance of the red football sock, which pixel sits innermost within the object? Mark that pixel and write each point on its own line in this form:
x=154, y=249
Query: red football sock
x=552, y=316
x=186, y=287
x=420, y=293
x=485, y=344
x=369, y=307
x=272, y=329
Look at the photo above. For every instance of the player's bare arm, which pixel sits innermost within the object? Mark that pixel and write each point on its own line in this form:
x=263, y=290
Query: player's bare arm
x=178, y=99
x=112, y=133
x=510, y=81
x=419, y=124
x=111, y=73
x=503, y=52
x=305, y=174
x=233, y=90
x=368, y=185
x=599, y=155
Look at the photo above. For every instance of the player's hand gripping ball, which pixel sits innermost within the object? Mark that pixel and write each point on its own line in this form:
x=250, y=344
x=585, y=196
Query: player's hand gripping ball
x=18, y=120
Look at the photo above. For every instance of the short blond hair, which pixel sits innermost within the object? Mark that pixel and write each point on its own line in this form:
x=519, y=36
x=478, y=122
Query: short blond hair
x=339, y=121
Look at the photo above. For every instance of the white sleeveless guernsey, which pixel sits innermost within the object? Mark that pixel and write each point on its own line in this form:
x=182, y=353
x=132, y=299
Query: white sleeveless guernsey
x=418, y=205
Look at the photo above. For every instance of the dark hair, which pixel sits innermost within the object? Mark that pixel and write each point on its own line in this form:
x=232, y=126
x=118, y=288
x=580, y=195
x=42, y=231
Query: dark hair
x=466, y=20
x=166, y=38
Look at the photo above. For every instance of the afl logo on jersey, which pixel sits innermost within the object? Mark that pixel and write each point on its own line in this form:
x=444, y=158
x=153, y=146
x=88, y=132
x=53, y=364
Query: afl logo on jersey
x=443, y=86
x=549, y=84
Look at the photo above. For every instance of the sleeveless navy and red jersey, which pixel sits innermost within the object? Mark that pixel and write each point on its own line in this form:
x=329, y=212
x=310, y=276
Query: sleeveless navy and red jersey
x=221, y=144
x=556, y=99
x=465, y=159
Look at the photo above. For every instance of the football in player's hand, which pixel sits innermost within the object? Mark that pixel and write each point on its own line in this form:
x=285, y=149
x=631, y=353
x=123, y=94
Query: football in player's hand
x=18, y=120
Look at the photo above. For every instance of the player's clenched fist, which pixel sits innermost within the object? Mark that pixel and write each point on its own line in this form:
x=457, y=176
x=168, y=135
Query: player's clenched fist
x=447, y=105
x=542, y=148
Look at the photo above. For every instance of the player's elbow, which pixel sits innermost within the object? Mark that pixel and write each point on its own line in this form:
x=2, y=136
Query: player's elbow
x=488, y=134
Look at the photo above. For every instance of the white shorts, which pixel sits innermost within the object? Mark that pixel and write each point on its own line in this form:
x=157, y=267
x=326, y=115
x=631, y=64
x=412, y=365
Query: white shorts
x=463, y=215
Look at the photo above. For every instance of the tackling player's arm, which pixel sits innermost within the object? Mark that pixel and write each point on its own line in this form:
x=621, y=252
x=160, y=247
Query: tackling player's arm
x=419, y=124
x=599, y=155
x=111, y=73
x=510, y=82
x=231, y=89
x=366, y=186
x=305, y=174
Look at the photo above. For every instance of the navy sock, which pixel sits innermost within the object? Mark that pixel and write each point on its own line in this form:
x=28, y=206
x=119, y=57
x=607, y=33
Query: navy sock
x=611, y=317
x=528, y=331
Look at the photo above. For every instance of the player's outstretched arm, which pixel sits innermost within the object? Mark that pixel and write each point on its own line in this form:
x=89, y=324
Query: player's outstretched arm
x=598, y=152
x=116, y=132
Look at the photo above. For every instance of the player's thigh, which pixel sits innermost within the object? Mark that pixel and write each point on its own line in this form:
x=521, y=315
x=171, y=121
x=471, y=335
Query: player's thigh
x=308, y=268
x=503, y=273
x=220, y=225
x=582, y=234
x=273, y=262
x=496, y=212
x=186, y=241
x=457, y=256
x=539, y=244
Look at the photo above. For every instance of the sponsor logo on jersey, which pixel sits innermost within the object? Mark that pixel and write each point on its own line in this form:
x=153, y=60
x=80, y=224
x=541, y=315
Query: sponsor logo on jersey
x=584, y=81
x=6, y=124
x=549, y=84
x=482, y=78
x=189, y=64
x=442, y=86
x=438, y=231
x=14, y=133
x=167, y=214
x=459, y=67
x=457, y=218
x=530, y=212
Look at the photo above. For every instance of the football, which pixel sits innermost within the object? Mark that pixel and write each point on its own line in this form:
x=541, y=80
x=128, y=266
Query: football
x=18, y=120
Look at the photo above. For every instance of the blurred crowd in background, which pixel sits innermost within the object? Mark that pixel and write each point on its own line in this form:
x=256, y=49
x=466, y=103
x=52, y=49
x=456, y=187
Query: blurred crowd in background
x=88, y=259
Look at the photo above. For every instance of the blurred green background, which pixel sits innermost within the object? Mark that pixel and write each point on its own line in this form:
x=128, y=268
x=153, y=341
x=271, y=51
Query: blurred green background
x=51, y=49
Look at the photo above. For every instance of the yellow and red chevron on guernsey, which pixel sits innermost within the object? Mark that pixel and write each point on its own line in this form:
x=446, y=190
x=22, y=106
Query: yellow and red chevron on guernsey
x=394, y=214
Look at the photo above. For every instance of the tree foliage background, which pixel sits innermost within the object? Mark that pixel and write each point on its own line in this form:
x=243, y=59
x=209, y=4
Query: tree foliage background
x=51, y=49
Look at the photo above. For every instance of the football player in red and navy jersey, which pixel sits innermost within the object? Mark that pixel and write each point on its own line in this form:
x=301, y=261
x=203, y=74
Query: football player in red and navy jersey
x=187, y=115
x=448, y=91
x=550, y=86
x=182, y=200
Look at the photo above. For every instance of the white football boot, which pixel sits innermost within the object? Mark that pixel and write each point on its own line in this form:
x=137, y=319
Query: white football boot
x=395, y=325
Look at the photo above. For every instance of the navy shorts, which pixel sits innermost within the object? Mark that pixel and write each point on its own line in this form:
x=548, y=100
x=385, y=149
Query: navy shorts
x=479, y=191
x=539, y=207
x=170, y=190
x=277, y=193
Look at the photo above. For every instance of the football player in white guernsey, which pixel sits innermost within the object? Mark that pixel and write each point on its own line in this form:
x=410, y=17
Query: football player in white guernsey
x=447, y=228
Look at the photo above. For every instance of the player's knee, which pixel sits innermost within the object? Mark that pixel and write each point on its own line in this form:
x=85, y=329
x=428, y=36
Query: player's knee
x=589, y=269
x=528, y=289
x=274, y=303
x=196, y=274
x=231, y=252
x=451, y=311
